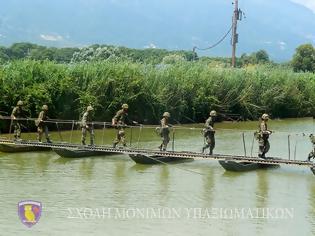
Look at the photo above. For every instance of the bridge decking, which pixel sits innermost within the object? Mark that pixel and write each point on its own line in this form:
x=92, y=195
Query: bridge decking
x=178, y=154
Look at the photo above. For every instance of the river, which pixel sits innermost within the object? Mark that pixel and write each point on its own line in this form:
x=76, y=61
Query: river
x=114, y=196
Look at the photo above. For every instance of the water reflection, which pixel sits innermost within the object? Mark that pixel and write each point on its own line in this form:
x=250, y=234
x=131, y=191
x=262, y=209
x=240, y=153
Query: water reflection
x=86, y=168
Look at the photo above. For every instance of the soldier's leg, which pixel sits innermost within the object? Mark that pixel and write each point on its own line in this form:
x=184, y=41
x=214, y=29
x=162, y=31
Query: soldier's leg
x=123, y=137
x=165, y=142
x=15, y=131
x=19, y=130
x=207, y=144
x=91, y=136
x=83, y=136
x=212, y=145
x=117, y=139
x=39, y=133
x=266, y=147
x=261, y=147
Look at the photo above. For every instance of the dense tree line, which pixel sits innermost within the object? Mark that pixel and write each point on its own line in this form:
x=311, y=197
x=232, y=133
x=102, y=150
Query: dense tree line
x=92, y=53
x=186, y=89
x=303, y=60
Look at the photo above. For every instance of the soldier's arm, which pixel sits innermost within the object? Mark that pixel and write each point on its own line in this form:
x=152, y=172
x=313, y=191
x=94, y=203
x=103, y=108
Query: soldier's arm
x=40, y=116
x=84, y=120
x=13, y=114
x=116, y=117
x=163, y=123
x=208, y=124
x=263, y=129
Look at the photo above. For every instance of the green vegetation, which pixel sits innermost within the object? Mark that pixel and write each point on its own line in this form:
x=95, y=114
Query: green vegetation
x=186, y=89
x=304, y=58
x=87, y=54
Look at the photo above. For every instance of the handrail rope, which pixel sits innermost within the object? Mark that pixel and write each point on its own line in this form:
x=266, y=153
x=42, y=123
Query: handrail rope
x=141, y=125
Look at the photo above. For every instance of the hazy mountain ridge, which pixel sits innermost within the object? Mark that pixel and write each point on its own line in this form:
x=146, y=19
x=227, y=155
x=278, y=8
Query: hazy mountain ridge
x=277, y=26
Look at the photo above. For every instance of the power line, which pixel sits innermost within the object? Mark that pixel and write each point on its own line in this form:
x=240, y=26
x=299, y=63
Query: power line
x=217, y=43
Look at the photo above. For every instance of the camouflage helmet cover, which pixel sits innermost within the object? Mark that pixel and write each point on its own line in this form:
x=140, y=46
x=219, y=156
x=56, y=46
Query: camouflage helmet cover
x=166, y=114
x=45, y=108
x=125, y=106
x=213, y=113
x=89, y=108
x=265, y=116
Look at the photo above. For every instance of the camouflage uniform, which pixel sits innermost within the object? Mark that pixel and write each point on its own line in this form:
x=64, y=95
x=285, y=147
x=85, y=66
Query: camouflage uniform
x=263, y=137
x=120, y=120
x=87, y=126
x=42, y=125
x=164, y=131
x=16, y=114
x=209, y=135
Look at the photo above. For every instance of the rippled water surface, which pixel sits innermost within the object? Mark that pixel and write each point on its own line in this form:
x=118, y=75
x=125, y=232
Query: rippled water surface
x=111, y=195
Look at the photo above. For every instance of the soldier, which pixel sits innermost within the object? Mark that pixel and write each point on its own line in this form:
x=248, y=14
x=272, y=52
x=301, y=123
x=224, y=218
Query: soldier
x=164, y=131
x=87, y=125
x=42, y=125
x=15, y=115
x=120, y=121
x=209, y=132
x=312, y=153
x=263, y=136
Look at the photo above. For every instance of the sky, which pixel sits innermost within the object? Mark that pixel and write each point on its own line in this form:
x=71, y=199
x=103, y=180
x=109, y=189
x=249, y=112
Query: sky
x=310, y=4
x=278, y=26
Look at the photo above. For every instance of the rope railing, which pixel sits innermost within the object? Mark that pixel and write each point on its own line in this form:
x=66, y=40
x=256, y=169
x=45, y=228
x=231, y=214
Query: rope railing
x=177, y=127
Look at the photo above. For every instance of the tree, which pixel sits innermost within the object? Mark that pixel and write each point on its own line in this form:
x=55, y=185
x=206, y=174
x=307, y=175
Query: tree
x=262, y=56
x=304, y=58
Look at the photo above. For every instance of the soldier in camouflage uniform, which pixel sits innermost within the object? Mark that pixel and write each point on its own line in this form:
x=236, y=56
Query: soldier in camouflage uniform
x=312, y=153
x=165, y=131
x=41, y=125
x=16, y=114
x=86, y=125
x=120, y=121
x=263, y=136
x=209, y=132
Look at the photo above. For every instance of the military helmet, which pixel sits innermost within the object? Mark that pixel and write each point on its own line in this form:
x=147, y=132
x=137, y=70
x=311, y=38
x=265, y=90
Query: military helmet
x=166, y=114
x=20, y=103
x=213, y=113
x=265, y=116
x=89, y=108
x=45, y=108
x=125, y=106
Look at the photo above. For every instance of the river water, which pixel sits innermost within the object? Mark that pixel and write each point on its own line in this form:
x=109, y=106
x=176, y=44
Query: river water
x=114, y=196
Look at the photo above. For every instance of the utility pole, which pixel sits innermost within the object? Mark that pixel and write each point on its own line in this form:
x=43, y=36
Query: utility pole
x=234, y=31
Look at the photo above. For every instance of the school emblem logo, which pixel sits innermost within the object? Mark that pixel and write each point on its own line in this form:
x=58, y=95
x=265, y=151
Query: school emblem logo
x=29, y=212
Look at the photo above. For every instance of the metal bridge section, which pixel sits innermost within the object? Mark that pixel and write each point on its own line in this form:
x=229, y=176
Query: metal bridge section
x=148, y=152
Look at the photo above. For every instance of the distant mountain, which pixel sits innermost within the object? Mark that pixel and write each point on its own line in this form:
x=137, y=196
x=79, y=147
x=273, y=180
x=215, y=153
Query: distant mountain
x=277, y=26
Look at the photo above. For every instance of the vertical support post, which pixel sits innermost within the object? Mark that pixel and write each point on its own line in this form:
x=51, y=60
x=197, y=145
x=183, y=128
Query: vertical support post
x=130, y=136
x=10, y=130
x=173, y=142
x=295, y=147
x=289, y=146
x=244, y=145
x=251, y=150
x=61, y=139
x=71, y=131
x=104, y=126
